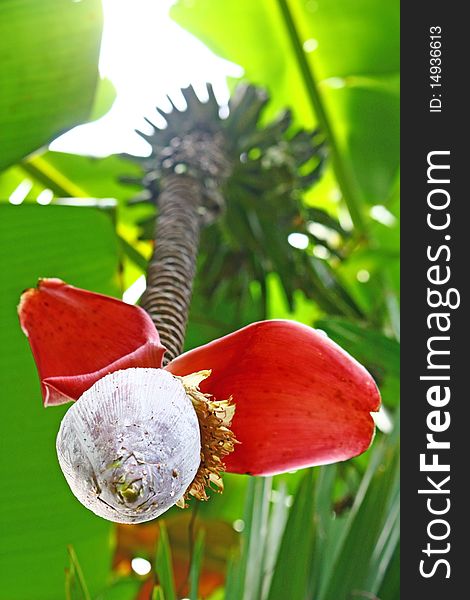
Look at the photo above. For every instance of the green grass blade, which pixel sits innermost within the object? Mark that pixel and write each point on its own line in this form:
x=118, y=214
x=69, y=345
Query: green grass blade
x=163, y=565
x=258, y=533
x=157, y=593
x=390, y=588
x=324, y=523
x=385, y=550
x=245, y=575
x=236, y=582
x=293, y=562
x=75, y=585
x=196, y=564
x=277, y=523
x=232, y=579
x=369, y=533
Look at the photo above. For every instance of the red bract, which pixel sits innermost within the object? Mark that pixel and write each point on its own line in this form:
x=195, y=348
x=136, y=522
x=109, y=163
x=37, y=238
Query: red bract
x=300, y=399
x=77, y=337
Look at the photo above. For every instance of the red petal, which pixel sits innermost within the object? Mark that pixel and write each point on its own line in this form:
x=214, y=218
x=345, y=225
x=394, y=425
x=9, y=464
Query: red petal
x=77, y=337
x=300, y=399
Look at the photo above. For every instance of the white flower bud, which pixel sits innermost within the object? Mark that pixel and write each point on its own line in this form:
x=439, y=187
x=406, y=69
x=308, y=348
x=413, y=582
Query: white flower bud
x=130, y=446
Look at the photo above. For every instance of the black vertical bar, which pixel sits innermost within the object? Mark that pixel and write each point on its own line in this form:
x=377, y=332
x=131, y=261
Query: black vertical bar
x=435, y=120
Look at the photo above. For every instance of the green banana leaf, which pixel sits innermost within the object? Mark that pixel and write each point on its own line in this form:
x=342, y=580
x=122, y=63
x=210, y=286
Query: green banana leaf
x=48, y=71
x=39, y=516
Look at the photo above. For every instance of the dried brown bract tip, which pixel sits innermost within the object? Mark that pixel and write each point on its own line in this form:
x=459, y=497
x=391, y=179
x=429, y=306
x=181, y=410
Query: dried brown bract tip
x=217, y=439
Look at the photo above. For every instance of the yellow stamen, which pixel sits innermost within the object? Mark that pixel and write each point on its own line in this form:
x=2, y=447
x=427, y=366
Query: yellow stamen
x=217, y=440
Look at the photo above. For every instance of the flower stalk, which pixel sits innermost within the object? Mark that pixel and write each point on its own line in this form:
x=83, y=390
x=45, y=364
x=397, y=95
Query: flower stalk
x=184, y=173
x=171, y=269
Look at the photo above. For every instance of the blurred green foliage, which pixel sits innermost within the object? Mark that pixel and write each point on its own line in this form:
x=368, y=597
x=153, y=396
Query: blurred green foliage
x=39, y=516
x=48, y=71
x=329, y=533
